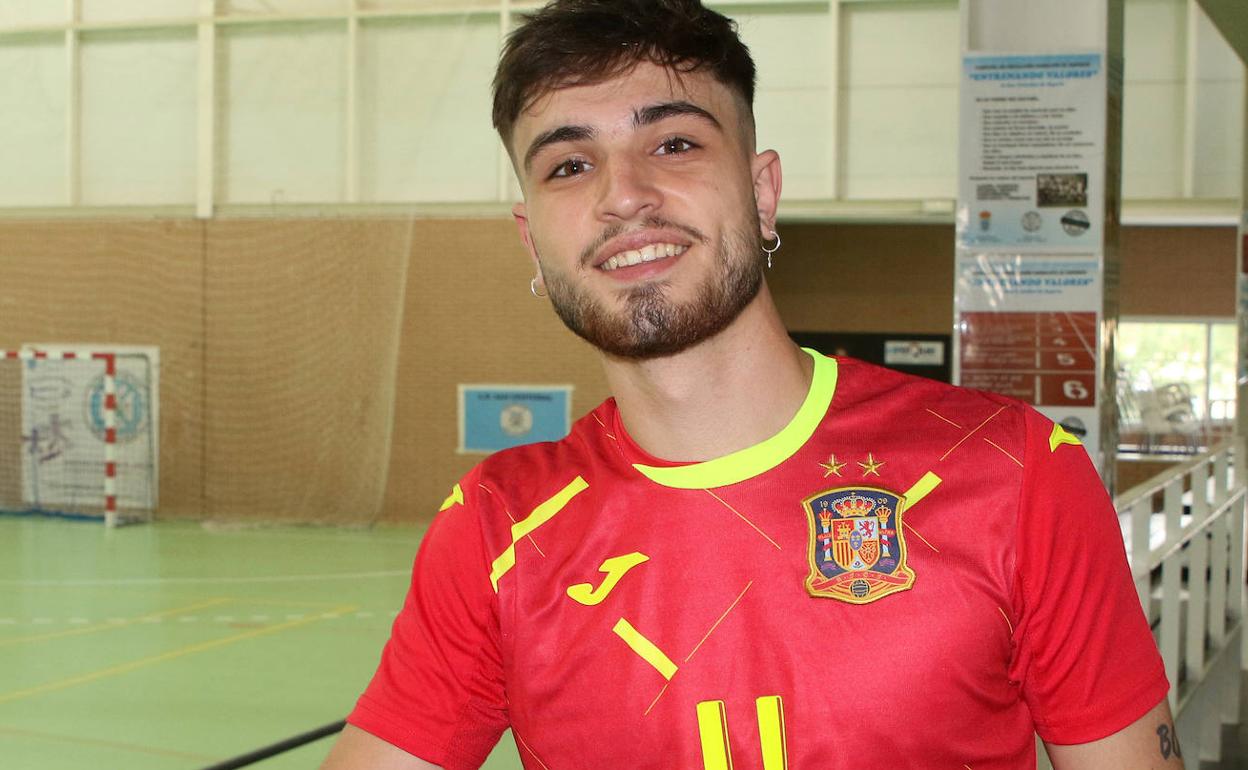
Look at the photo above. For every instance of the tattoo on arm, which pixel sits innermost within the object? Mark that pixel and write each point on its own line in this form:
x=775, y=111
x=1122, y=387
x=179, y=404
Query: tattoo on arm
x=1168, y=739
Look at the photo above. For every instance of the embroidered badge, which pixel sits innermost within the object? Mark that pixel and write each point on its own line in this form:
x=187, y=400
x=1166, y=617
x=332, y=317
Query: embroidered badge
x=857, y=550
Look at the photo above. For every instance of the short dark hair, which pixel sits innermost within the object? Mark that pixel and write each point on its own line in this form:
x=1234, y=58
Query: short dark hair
x=583, y=42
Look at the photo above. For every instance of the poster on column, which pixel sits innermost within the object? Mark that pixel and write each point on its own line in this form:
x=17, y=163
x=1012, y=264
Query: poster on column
x=1027, y=328
x=1032, y=153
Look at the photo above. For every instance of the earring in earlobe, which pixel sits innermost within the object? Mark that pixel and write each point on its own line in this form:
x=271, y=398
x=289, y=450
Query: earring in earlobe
x=773, y=249
x=533, y=289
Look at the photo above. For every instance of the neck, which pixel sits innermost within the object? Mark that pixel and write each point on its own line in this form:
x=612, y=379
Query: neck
x=729, y=392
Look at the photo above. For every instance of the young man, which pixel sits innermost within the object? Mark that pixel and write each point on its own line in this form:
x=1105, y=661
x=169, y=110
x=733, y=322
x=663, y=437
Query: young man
x=753, y=555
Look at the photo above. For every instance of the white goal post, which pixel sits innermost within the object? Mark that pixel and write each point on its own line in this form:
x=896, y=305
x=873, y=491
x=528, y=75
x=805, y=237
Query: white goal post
x=77, y=434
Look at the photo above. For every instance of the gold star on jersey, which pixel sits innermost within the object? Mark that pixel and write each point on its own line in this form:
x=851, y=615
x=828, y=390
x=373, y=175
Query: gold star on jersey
x=870, y=466
x=831, y=467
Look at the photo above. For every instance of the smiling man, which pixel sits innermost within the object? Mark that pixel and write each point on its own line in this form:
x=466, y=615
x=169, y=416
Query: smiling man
x=752, y=555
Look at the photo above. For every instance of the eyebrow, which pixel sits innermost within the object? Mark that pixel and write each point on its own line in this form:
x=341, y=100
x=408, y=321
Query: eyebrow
x=554, y=136
x=656, y=112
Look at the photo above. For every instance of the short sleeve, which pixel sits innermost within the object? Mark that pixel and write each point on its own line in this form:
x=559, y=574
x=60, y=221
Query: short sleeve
x=438, y=692
x=1085, y=656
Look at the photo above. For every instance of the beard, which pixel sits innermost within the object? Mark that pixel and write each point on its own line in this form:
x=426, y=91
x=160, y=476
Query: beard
x=652, y=325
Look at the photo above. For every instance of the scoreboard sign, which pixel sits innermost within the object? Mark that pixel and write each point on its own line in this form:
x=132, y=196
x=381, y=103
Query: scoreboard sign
x=1044, y=359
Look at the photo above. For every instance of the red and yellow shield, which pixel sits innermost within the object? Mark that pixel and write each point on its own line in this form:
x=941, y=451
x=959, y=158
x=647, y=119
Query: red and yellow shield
x=857, y=546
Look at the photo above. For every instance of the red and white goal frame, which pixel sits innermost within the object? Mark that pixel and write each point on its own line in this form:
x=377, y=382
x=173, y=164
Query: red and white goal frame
x=108, y=478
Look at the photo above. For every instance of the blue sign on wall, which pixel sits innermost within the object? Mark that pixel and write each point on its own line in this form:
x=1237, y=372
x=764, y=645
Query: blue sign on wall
x=493, y=417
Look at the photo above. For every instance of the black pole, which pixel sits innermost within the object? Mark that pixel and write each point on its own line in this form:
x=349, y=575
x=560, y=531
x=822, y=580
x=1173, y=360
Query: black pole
x=293, y=742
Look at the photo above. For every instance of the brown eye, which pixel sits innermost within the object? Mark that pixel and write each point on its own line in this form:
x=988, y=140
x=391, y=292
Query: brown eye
x=675, y=146
x=570, y=168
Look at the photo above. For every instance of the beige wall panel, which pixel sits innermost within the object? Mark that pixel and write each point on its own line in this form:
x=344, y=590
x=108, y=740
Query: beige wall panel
x=899, y=91
x=302, y=333
x=469, y=318
x=1178, y=271
x=1217, y=161
x=133, y=283
x=891, y=157
x=280, y=95
x=34, y=100
x=1152, y=157
x=144, y=153
x=425, y=133
x=791, y=106
x=21, y=13
x=103, y=11
x=265, y=7
x=865, y=278
x=1153, y=98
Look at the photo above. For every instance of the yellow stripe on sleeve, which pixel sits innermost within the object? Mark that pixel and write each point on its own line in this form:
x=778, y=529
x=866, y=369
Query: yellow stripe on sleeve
x=921, y=489
x=540, y=515
x=456, y=496
x=1061, y=436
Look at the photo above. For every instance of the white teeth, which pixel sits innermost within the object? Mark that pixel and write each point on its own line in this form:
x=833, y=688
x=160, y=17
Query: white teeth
x=650, y=253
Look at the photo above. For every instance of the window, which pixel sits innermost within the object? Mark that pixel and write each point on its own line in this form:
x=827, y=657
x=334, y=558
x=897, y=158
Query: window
x=1176, y=384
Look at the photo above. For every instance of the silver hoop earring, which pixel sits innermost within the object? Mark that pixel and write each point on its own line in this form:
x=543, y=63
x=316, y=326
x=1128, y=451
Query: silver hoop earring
x=533, y=289
x=773, y=249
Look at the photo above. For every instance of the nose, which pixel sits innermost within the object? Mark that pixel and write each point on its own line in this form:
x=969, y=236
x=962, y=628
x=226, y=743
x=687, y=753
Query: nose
x=627, y=190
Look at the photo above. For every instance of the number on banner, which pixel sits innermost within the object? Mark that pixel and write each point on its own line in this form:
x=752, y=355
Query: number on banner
x=1074, y=389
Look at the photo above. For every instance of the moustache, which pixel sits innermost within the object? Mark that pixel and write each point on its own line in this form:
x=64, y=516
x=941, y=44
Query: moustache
x=650, y=223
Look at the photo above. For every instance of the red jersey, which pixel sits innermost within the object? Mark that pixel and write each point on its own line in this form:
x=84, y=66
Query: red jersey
x=909, y=574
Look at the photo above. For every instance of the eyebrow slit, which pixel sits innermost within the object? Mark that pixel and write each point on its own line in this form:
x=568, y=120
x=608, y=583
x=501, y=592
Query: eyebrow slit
x=555, y=136
x=656, y=112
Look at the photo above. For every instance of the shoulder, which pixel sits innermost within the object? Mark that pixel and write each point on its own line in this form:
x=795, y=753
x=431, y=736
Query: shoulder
x=530, y=471
x=861, y=385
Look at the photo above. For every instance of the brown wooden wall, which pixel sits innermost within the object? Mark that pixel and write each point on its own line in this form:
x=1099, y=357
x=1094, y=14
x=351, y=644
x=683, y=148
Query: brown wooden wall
x=1178, y=271
x=309, y=366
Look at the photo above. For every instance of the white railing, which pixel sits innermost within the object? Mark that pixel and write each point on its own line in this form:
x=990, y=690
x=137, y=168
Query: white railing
x=1184, y=532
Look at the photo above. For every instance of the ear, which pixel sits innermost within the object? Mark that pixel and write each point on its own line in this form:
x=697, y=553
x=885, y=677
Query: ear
x=520, y=214
x=767, y=182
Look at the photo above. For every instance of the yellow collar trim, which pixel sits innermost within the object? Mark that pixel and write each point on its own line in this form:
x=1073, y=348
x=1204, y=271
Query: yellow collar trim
x=762, y=457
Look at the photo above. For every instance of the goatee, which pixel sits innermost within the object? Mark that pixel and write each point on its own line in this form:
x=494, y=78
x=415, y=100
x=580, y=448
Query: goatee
x=652, y=324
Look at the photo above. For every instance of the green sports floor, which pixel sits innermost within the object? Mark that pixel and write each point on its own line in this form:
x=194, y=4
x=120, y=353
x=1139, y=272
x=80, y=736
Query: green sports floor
x=176, y=646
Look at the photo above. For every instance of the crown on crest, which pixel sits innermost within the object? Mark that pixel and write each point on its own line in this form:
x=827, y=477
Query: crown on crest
x=854, y=505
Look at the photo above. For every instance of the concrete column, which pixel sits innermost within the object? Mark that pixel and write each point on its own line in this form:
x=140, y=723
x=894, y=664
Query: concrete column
x=1241, y=307
x=1038, y=209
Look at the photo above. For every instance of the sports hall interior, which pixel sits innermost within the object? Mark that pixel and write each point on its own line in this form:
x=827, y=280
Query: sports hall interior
x=302, y=206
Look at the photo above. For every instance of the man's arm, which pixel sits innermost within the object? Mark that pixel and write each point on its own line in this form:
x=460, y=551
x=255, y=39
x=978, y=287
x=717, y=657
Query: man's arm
x=1149, y=743
x=358, y=750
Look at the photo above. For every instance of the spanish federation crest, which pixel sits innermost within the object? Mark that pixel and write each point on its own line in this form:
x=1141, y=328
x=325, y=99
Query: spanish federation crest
x=857, y=550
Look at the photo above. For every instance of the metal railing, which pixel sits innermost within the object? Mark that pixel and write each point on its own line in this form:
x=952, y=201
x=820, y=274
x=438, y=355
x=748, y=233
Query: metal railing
x=1184, y=533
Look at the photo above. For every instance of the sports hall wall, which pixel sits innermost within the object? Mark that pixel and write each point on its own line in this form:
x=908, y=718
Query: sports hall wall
x=309, y=367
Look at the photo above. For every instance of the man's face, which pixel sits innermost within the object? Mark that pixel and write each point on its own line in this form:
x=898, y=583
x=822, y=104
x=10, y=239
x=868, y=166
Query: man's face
x=644, y=204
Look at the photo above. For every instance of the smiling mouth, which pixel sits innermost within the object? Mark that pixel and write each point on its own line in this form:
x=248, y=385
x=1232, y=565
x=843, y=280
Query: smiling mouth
x=651, y=253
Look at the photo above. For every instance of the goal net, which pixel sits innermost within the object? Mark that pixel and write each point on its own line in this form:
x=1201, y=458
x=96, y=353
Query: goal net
x=77, y=434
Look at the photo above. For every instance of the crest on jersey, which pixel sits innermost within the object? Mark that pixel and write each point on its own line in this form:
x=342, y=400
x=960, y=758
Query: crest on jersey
x=857, y=549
